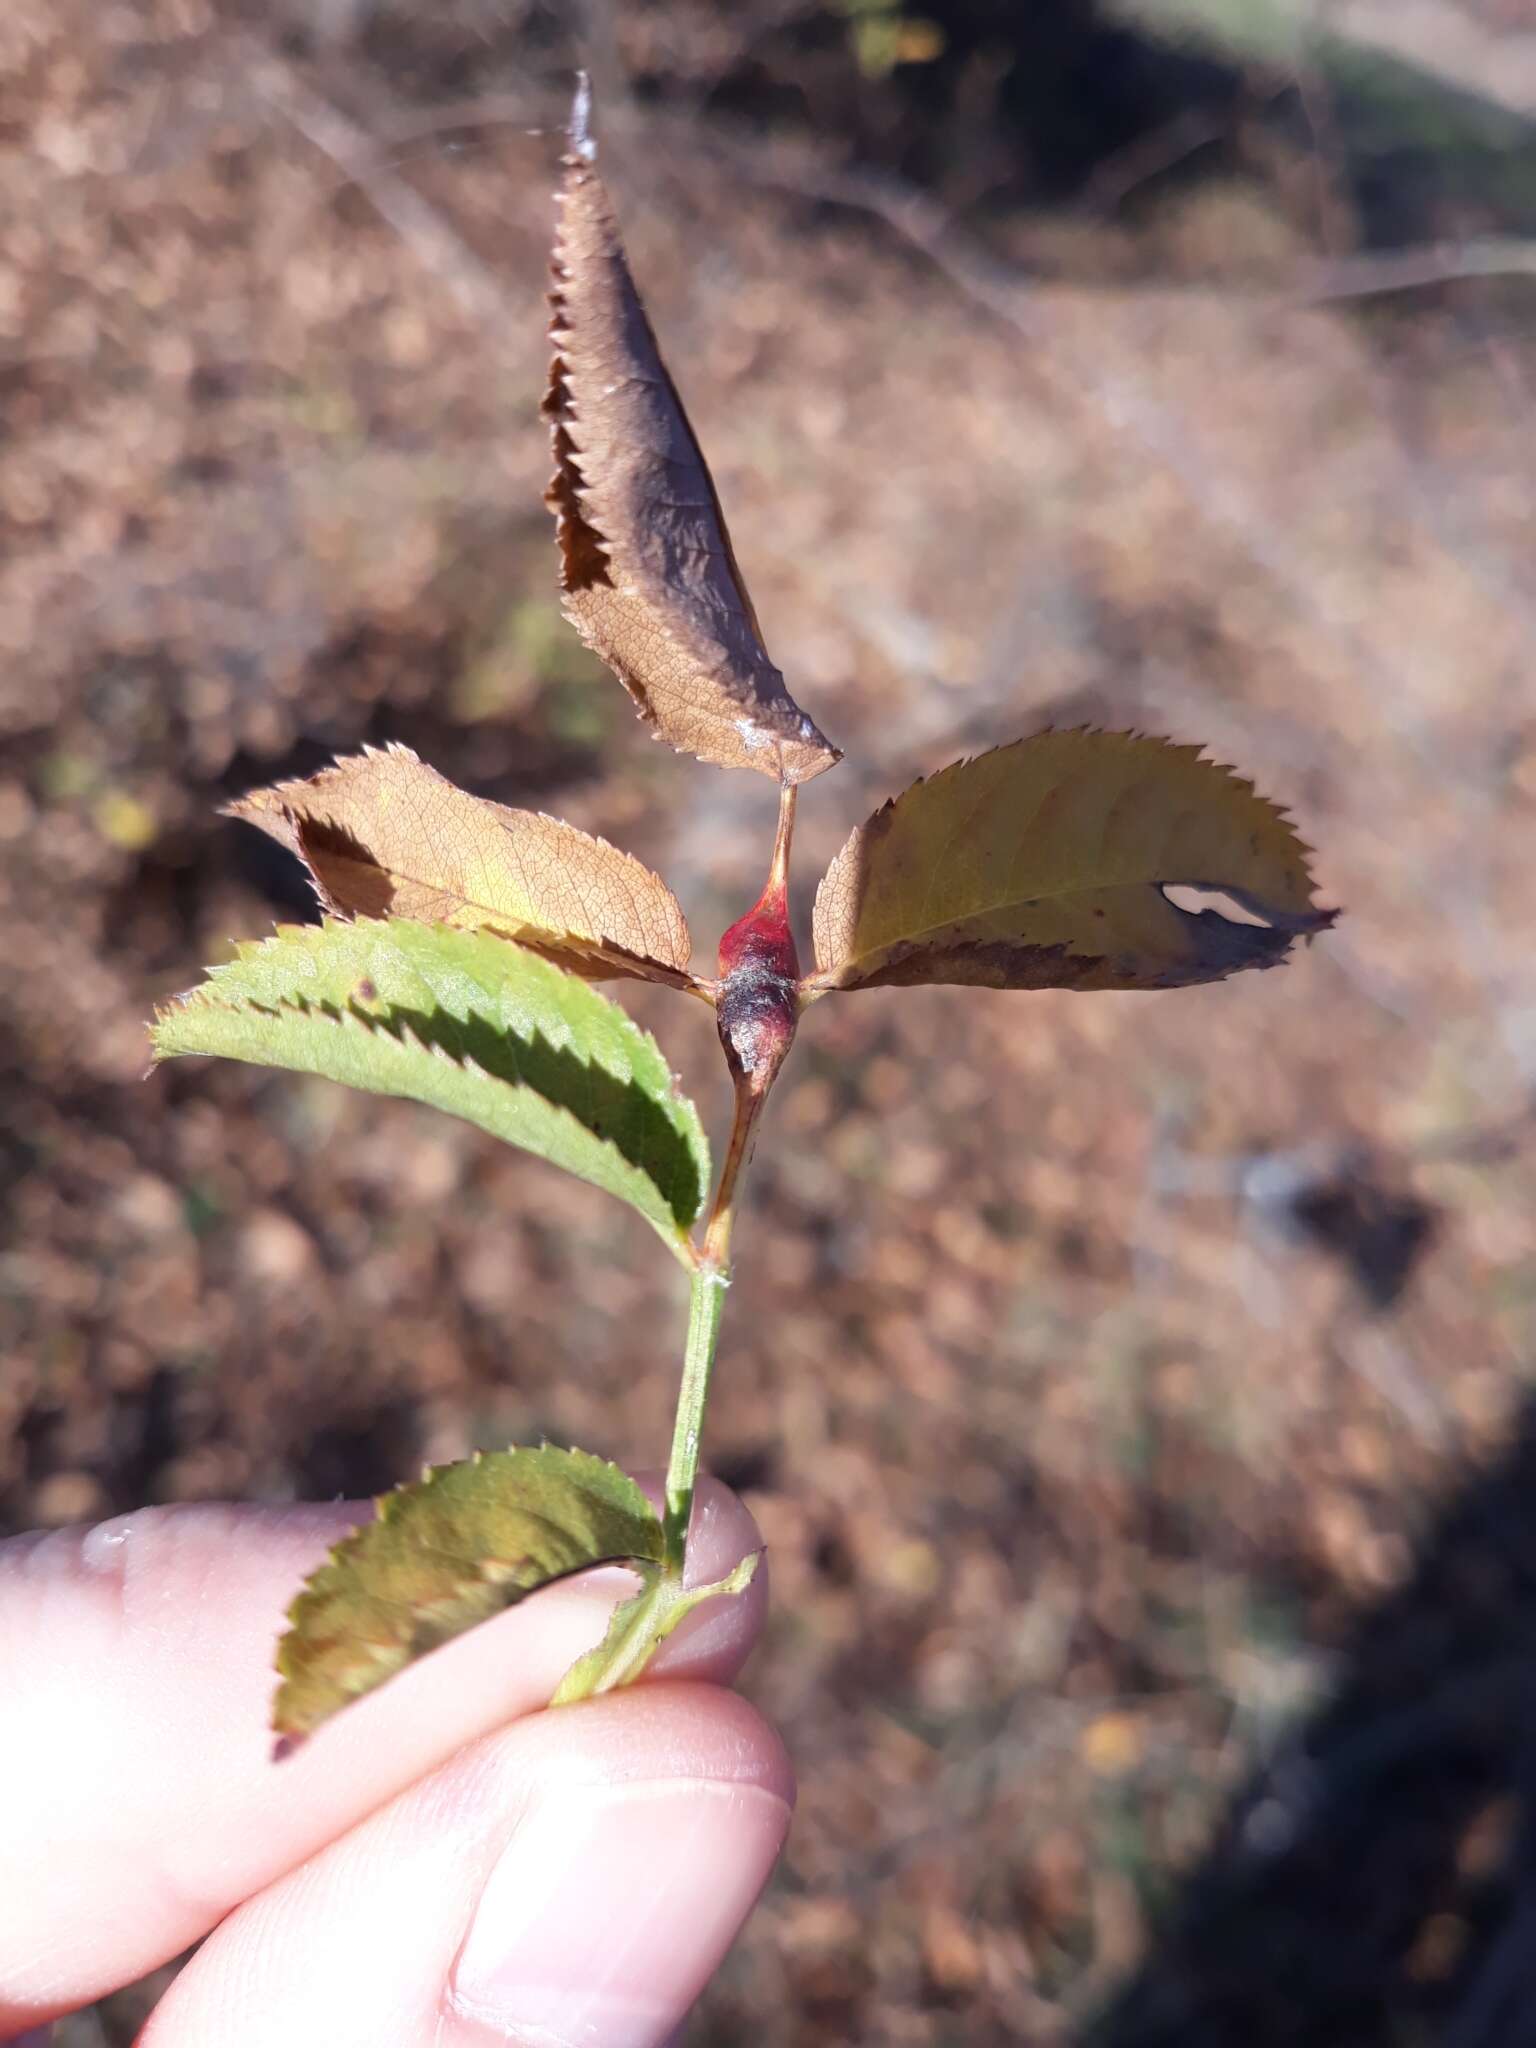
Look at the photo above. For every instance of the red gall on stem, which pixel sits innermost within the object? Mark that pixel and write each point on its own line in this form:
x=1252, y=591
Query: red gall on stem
x=758, y=993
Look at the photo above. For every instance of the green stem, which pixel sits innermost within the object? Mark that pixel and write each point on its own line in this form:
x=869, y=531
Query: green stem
x=757, y=961
x=706, y=1305
x=640, y=1626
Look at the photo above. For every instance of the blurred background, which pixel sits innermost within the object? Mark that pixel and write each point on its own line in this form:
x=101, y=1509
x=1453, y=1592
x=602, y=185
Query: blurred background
x=1133, y=1390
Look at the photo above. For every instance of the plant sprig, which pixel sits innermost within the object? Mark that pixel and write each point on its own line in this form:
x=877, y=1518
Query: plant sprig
x=455, y=961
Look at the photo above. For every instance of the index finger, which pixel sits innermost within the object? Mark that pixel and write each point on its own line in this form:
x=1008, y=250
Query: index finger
x=142, y=1801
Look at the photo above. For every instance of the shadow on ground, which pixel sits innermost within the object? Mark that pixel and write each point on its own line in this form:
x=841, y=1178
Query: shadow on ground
x=1376, y=1881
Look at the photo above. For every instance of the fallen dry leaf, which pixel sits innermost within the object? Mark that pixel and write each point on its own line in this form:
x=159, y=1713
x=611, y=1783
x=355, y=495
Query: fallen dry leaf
x=384, y=835
x=648, y=575
x=1044, y=864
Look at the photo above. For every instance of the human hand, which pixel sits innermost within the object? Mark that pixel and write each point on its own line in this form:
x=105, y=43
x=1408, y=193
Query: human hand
x=443, y=1864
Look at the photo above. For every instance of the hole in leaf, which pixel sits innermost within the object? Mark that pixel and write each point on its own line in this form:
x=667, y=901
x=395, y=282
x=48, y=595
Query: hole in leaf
x=1193, y=897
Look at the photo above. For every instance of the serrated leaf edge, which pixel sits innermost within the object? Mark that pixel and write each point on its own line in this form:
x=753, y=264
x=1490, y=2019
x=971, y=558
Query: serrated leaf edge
x=247, y=948
x=388, y=1507
x=821, y=983
x=602, y=948
x=207, y=995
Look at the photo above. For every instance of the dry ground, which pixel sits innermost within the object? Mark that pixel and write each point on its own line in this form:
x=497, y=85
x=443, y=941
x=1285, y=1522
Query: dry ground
x=1097, y=1365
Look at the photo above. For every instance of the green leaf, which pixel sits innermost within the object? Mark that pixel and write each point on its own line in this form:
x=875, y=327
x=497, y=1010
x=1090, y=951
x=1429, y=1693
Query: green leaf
x=1045, y=864
x=471, y=1024
x=446, y=1552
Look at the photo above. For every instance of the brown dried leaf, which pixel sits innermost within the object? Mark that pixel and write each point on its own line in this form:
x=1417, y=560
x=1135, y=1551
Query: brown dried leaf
x=648, y=575
x=384, y=835
x=1044, y=864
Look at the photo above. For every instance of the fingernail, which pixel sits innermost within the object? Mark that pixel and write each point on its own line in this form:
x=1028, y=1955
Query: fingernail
x=611, y=1907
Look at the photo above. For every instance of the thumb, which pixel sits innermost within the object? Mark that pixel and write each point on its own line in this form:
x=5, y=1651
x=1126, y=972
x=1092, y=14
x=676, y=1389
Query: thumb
x=574, y=1878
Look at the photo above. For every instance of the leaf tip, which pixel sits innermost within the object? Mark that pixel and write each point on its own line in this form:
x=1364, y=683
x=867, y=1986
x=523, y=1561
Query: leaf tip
x=579, y=131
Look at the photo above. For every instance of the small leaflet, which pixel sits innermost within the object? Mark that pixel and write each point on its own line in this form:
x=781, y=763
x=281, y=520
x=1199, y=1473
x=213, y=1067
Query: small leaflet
x=444, y=1553
x=1044, y=864
x=489, y=1032
x=382, y=834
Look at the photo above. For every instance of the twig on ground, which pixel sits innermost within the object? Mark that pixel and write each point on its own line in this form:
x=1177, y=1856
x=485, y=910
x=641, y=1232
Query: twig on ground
x=417, y=222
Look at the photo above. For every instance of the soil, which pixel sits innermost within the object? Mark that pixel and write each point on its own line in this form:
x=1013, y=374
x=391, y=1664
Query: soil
x=1133, y=1390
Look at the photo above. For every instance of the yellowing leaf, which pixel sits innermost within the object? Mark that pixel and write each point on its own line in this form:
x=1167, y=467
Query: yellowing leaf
x=1044, y=864
x=445, y=1553
x=384, y=834
x=648, y=575
x=470, y=1024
